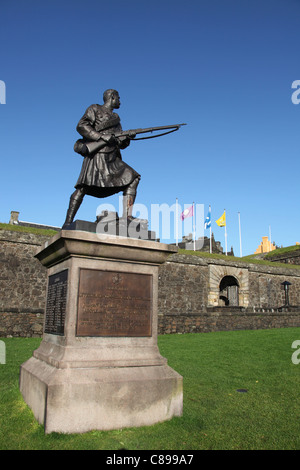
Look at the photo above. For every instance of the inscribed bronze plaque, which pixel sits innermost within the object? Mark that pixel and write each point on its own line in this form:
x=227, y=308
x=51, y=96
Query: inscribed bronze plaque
x=112, y=303
x=56, y=303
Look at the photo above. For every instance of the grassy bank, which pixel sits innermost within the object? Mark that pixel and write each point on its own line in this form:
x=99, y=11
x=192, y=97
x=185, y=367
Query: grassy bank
x=216, y=416
x=35, y=231
x=282, y=251
x=245, y=259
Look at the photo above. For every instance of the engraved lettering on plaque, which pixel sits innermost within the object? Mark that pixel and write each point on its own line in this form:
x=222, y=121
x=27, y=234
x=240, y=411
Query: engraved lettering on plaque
x=56, y=303
x=112, y=303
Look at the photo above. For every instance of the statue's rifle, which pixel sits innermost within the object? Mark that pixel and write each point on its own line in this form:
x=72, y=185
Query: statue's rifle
x=88, y=148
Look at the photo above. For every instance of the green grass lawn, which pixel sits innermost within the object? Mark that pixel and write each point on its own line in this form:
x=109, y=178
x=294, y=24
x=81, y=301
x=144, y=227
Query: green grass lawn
x=215, y=416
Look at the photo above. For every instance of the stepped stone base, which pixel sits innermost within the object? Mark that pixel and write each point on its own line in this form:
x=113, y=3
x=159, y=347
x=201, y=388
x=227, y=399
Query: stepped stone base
x=99, y=366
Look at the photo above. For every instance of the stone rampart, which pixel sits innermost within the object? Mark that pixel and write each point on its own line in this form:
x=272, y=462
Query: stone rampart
x=188, y=292
x=289, y=257
x=189, y=296
x=22, y=284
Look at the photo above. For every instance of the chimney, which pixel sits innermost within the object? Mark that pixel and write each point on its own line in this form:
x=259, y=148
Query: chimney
x=14, y=217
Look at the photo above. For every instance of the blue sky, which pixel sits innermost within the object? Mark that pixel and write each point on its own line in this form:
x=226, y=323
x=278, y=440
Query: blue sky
x=224, y=67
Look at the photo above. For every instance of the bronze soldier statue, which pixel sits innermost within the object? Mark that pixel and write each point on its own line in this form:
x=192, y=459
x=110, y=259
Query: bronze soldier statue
x=103, y=171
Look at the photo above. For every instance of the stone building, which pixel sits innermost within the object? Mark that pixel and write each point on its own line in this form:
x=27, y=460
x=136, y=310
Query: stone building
x=203, y=244
x=265, y=246
x=14, y=220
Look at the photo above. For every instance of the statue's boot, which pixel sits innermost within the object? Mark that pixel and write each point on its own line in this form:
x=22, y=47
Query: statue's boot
x=75, y=202
x=129, y=196
x=128, y=201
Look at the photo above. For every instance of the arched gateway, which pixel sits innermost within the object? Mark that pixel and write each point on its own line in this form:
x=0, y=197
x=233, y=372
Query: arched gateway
x=228, y=285
x=229, y=291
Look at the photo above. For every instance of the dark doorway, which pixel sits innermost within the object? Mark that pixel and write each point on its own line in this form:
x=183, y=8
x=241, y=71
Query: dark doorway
x=229, y=291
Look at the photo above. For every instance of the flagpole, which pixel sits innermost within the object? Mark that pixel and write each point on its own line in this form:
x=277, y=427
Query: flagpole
x=194, y=216
x=176, y=221
x=241, y=253
x=225, y=233
x=270, y=237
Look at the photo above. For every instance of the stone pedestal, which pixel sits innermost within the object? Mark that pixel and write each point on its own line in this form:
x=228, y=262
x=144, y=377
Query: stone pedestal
x=98, y=365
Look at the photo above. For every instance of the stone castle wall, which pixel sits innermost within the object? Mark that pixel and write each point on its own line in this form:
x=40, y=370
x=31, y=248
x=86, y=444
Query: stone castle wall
x=188, y=300
x=22, y=284
x=188, y=297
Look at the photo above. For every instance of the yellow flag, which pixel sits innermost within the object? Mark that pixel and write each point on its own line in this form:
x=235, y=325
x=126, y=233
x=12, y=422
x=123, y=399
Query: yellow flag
x=222, y=220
